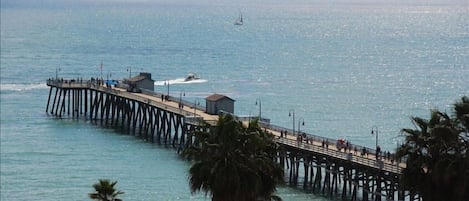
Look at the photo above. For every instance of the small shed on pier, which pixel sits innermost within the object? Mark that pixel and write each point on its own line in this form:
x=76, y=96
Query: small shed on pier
x=216, y=103
x=141, y=81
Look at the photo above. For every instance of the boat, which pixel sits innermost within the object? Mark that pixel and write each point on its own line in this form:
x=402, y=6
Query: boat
x=239, y=21
x=190, y=77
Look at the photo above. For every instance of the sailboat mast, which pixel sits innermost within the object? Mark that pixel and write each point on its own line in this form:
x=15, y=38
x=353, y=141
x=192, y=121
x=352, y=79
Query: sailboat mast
x=239, y=21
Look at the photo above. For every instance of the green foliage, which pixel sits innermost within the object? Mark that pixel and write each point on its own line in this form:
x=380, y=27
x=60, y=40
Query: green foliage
x=234, y=163
x=437, y=156
x=105, y=191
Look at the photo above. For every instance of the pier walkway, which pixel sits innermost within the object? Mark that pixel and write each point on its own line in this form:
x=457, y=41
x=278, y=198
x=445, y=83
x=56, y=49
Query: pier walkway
x=154, y=114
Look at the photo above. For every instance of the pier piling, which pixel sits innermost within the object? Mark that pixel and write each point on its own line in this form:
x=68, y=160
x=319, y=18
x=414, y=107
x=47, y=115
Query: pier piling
x=314, y=167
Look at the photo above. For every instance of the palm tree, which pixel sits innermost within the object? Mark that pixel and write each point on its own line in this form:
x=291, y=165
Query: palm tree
x=234, y=163
x=437, y=155
x=105, y=191
x=462, y=113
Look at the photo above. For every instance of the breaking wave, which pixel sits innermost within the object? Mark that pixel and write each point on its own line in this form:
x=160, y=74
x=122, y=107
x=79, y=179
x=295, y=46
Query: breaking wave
x=22, y=87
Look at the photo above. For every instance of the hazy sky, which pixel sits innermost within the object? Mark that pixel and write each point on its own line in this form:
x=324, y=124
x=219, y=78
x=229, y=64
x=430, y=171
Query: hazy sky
x=67, y=3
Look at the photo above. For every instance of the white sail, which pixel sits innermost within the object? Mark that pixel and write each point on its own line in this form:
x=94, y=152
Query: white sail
x=239, y=21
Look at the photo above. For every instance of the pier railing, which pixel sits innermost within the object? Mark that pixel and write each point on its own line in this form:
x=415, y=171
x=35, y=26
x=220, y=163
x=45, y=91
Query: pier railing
x=364, y=160
x=387, y=164
x=378, y=164
x=96, y=85
x=312, y=137
x=169, y=120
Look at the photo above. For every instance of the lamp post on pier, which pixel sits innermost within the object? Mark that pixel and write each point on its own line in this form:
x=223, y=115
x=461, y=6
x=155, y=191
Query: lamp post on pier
x=374, y=130
x=302, y=124
x=196, y=102
x=167, y=84
x=57, y=73
x=181, y=94
x=291, y=113
x=129, y=69
x=101, y=69
x=258, y=102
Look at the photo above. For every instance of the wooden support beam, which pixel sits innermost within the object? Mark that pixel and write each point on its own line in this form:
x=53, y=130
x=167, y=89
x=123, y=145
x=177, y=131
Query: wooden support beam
x=321, y=170
x=55, y=98
x=48, y=99
x=62, y=107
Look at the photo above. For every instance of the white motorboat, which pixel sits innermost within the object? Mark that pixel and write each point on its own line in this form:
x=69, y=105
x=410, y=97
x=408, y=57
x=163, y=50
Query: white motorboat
x=191, y=77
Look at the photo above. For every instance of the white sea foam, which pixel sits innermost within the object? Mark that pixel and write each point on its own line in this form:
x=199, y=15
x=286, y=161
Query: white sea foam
x=22, y=87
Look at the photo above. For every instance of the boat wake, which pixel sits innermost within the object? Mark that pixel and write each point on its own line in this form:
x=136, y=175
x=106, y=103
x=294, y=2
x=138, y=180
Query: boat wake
x=179, y=81
x=22, y=87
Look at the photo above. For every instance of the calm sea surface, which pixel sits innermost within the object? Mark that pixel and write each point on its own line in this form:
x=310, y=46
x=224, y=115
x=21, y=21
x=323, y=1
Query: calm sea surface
x=343, y=68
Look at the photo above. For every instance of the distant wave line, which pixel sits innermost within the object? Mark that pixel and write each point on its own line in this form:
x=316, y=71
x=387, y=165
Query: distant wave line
x=22, y=87
x=33, y=86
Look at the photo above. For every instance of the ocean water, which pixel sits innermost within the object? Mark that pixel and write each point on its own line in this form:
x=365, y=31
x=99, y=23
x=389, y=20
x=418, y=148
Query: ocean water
x=341, y=67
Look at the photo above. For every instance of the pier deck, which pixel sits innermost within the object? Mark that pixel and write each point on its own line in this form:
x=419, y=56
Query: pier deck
x=152, y=114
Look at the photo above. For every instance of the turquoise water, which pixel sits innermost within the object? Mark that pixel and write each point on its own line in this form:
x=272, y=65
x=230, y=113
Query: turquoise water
x=343, y=68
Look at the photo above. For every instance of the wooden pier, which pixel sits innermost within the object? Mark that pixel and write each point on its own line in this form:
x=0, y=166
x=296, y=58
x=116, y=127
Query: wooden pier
x=315, y=164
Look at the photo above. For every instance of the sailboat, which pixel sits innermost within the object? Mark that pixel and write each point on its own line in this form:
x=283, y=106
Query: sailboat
x=239, y=21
